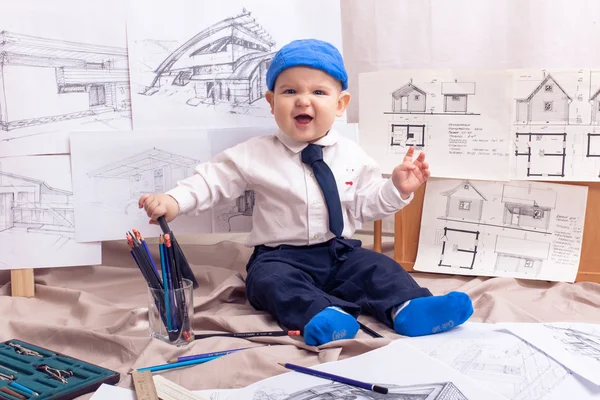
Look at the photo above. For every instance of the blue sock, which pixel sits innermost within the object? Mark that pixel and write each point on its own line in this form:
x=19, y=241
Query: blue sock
x=434, y=314
x=330, y=324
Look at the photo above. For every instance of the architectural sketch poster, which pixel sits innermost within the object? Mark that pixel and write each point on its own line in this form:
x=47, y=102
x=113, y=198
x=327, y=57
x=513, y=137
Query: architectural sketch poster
x=421, y=378
x=575, y=345
x=460, y=119
x=556, y=125
x=64, y=67
x=37, y=224
x=520, y=229
x=111, y=171
x=205, y=66
x=505, y=363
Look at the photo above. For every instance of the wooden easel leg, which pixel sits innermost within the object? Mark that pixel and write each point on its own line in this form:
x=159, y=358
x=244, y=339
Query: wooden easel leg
x=377, y=232
x=22, y=282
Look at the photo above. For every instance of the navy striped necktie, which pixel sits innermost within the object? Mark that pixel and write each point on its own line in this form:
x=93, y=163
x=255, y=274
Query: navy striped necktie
x=313, y=156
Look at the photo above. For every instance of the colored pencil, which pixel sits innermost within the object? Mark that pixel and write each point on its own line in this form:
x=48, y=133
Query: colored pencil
x=139, y=237
x=216, y=353
x=369, y=330
x=163, y=367
x=336, y=378
x=247, y=334
x=165, y=285
x=184, y=266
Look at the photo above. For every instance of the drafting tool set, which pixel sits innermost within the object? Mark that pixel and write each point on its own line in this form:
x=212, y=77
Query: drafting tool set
x=166, y=282
x=33, y=372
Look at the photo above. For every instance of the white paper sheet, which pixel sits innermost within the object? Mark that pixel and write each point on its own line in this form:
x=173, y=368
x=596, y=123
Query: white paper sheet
x=203, y=65
x=402, y=368
x=556, y=125
x=109, y=392
x=528, y=230
x=37, y=222
x=64, y=68
x=504, y=363
x=460, y=119
x=575, y=345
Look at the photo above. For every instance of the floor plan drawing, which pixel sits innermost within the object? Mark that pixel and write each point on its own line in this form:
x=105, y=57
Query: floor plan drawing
x=521, y=229
x=527, y=207
x=593, y=145
x=515, y=254
x=459, y=247
x=500, y=360
x=541, y=154
x=406, y=135
x=547, y=103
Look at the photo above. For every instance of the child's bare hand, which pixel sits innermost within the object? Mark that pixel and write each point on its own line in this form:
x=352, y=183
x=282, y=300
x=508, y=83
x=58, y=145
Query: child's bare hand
x=158, y=205
x=408, y=176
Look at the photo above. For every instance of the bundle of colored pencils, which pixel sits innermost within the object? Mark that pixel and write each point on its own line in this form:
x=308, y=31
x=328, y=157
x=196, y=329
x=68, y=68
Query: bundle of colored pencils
x=166, y=283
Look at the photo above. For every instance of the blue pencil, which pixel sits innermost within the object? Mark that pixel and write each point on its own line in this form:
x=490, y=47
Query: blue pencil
x=205, y=355
x=163, y=367
x=165, y=284
x=341, y=379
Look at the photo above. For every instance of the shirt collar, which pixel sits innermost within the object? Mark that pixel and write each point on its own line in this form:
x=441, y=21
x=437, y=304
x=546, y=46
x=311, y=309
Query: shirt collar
x=295, y=146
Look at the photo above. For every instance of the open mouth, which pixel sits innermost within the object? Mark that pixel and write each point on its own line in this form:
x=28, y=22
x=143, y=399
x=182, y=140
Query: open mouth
x=303, y=119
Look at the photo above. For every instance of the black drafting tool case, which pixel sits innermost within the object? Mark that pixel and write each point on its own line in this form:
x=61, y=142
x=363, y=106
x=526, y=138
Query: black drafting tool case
x=27, y=370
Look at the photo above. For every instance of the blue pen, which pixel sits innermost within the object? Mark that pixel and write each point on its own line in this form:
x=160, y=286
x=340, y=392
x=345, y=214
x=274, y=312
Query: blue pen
x=23, y=388
x=162, y=367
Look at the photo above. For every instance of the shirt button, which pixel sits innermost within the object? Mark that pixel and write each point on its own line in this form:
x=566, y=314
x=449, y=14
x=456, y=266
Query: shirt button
x=316, y=236
x=315, y=201
x=312, y=175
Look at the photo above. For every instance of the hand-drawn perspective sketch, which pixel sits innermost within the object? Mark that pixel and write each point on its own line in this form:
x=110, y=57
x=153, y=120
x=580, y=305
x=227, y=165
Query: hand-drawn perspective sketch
x=34, y=210
x=215, y=74
x=112, y=171
x=521, y=229
x=236, y=216
x=499, y=360
x=541, y=154
x=339, y=391
x=586, y=344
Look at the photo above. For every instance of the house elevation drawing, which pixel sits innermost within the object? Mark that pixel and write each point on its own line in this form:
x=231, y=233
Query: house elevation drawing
x=224, y=64
x=456, y=96
x=409, y=99
x=595, y=104
x=548, y=103
x=459, y=247
x=527, y=207
x=541, y=154
x=520, y=256
x=464, y=202
x=45, y=82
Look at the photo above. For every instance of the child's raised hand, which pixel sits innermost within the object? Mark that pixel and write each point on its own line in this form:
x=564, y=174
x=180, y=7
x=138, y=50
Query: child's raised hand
x=157, y=205
x=408, y=176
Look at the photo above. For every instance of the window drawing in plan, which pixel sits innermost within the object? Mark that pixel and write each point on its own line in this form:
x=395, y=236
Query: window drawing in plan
x=153, y=171
x=547, y=103
x=528, y=208
x=225, y=63
x=521, y=256
x=405, y=135
x=541, y=154
x=456, y=96
x=595, y=105
x=585, y=344
x=409, y=99
x=459, y=247
x=45, y=81
x=464, y=202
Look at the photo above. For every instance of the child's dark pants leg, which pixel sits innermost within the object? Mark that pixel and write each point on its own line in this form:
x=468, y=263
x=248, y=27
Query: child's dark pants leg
x=288, y=282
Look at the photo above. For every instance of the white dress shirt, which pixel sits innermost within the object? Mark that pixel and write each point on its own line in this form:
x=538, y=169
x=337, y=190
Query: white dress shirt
x=289, y=205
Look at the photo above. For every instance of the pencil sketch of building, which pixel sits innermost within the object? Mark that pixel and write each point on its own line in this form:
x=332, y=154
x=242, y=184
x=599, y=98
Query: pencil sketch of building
x=340, y=391
x=595, y=103
x=31, y=205
x=528, y=208
x=547, y=103
x=152, y=171
x=517, y=255
x=45, y=81
x=228, y=218
x=464, y=202
x=409, y=98
x=225, y=63
x=456, y=96
x=586, y=344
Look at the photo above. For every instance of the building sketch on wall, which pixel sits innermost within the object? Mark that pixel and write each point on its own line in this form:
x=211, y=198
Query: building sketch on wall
x=459, y=247
x=340, y=391
x=541, y=154
x=408, y=99
x=585, y=344
x=456, y=95
x=405, y=135
x=237, y=215
x=520, y=256
x=595, y=105
x=547, y=103
x=152, y=171
x=464, y=202
x=224, y=64
x=526, y=207
x=44, y=82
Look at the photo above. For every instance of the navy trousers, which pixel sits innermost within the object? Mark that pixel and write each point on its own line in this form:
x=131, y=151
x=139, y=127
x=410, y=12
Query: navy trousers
x=294, y=283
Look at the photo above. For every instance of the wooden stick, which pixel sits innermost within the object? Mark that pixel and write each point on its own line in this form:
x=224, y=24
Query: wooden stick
x=377, y=232
x=22, y=282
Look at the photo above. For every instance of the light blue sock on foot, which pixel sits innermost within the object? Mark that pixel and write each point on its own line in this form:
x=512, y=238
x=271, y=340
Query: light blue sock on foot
x=330, y=324
x=434, y=314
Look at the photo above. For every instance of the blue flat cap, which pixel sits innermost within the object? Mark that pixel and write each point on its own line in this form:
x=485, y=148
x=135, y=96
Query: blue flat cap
x=308, y=53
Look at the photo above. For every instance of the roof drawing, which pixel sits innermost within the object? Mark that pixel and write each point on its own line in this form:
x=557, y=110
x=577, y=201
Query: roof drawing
x=243, y=22
x=595, y=95
x=146, y=161
x=458, y=88
x=34, y=181
x=541, y=85
x=461, y=186
x=406, y=89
